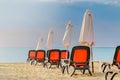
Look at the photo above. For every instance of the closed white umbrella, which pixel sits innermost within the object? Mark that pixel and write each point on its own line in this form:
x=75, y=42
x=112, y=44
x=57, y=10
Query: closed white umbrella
x=67, y=36
x=39, y=45
x=87, y=32
x=66, y=42
x=49, y=44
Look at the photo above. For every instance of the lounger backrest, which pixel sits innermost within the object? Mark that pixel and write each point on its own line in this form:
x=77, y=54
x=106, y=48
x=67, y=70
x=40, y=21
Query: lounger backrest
x=40, y=54
x=64, y=54
x=80, y=54
x=116, y=56
x=54, y=55
x=32, y=54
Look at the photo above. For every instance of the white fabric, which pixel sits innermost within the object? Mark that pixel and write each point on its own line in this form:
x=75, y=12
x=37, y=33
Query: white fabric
x=50, y=40
x=87, y=32
x=67, y=36
x=39, y=45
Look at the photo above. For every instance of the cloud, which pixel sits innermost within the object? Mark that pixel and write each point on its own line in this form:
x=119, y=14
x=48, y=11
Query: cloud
x=112, y=2
x=106, y=2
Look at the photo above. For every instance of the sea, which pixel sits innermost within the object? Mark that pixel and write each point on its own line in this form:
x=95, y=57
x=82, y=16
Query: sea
x=20, y=54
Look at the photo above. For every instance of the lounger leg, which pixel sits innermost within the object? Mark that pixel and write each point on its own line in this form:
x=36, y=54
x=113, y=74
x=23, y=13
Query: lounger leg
x=44, y=64
x=104, y=68
x=102, y=65
x=83, y=71
x=73, y=72
x=57, y=65
x=60, y=65
x=109, y=66
x=63, y=69
x=28, y=60
x=32, y=61
x=67, y=69
x=89, y=72
x=113, y=76
x=50, y=65
x=106, y=75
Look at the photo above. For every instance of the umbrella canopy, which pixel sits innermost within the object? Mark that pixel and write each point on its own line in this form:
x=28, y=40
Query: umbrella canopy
x=50, y=40
x=39, y=45
x=87, y=32
x=67, y=36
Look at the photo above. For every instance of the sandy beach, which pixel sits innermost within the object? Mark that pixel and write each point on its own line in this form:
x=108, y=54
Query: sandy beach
x=25, y=71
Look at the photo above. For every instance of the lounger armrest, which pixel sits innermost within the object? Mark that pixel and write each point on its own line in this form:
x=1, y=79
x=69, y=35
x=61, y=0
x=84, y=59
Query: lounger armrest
x=104, y=65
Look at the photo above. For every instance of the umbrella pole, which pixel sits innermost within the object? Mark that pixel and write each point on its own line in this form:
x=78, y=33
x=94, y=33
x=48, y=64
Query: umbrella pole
x=67, y=53
x=92, y=67
x=92, y=63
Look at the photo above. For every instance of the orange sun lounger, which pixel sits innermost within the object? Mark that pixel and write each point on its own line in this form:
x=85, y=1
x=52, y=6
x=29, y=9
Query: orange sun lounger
x=65, y=60
x=40, y=56
x=116, y=60
x=31, y=56
x=80, y=57
x=54, y=57
x=65, y=54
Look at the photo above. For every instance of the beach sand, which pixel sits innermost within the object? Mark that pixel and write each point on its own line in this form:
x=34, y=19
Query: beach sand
x=25, y=71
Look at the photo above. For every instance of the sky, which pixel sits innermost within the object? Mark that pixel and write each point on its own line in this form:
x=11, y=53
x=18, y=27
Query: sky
x=22, y=22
